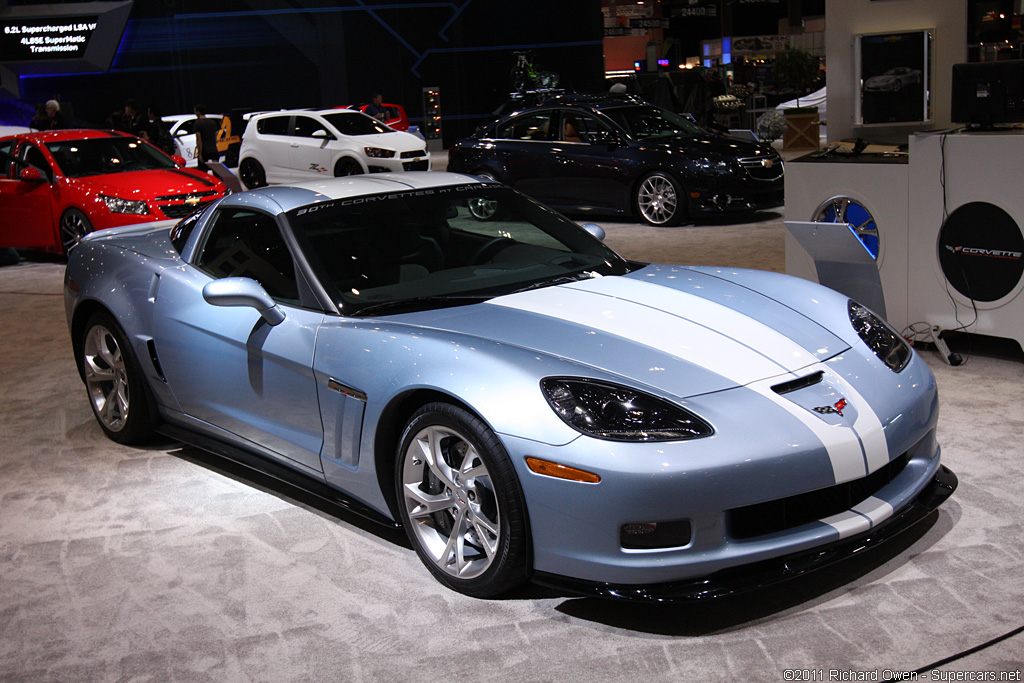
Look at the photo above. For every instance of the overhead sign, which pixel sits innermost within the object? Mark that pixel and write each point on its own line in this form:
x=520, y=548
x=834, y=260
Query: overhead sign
x=26, y=40
x=71, y=37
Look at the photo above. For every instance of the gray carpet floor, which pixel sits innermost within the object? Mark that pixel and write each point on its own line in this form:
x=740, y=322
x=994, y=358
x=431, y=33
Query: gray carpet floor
x=160, y=564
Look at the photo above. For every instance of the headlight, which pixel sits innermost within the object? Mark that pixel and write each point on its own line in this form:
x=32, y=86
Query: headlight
x=379, y=153
x=118, y=205
x=719, y=167
x=886, y=343
x=617, y=413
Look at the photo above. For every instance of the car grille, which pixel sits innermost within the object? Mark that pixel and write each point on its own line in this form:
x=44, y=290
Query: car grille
x=181, y=210
x=788, y=513
x=423, y=165
x=755, y=167
x=183, y=197
x=413, y=155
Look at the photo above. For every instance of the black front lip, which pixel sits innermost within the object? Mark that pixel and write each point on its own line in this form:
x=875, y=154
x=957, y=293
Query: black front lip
x=760, y=574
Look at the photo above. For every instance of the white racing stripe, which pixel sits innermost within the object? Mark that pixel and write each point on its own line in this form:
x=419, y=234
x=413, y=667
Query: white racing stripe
x=722, y=319
x=698, y=343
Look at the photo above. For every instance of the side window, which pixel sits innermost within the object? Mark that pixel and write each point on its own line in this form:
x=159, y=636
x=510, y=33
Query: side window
x=187, y=127
x=581, y=128
x=273, y=125
x=305, y=126
x=7, y=147
x=245, y=243
x=34, y=156
x=527, y=127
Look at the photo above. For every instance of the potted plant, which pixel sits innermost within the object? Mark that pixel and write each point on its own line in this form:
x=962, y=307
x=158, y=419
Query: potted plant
x=799, y=70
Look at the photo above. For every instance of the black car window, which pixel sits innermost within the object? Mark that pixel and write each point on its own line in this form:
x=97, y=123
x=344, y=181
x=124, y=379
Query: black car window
x=245, y=243
x=578, y=127
x=273, y=125
x=356, y=123
x=7, y=147
x=187, y=127
x=641, y=122
x=305, y=126
x=102, y=155
x=535, y=126
x=34, y=156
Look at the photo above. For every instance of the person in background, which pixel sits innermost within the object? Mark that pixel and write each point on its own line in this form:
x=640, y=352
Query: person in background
x=206, y=138
x=157, y=131
x=376, y=109
x=56, y=117
x=134, y=122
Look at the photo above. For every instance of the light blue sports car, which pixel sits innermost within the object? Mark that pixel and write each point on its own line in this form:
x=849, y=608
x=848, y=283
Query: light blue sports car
x=442, y=353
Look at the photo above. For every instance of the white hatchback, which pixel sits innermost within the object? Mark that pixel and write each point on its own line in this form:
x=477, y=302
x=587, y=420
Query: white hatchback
x=289, y=146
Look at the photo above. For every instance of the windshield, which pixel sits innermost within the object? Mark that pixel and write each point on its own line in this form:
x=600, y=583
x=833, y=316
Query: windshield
x=644, y=122
x=443, y=246
x=356, y=123
x=98, y=156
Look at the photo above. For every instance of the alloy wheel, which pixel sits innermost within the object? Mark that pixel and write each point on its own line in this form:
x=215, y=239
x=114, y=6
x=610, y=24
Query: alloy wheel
x=657, y=200
x=449, y=497
x=106, y=378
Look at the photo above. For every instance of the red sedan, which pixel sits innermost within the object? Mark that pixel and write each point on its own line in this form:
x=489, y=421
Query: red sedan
x=56, y=186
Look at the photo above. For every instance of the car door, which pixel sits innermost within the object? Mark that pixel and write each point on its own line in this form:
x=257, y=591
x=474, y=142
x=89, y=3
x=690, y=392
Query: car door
x=309, y=156
x=272, y=148
x=26, y=205
x=589, y=168
x=226, y=365
x=184, y=135
x=524, y=147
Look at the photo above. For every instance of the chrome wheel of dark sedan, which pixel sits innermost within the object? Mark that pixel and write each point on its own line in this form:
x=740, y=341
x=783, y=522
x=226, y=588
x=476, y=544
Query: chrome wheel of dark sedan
x=74, y=225
x=484, y=209
x=460, y=501
x=659, y=200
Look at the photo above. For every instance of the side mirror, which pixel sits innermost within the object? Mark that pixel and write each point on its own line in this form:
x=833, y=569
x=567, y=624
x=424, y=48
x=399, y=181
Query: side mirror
x=595, y=230
x=30, y=173
x=243, y=291
x=181, y=132
x=604, y=137
x=322, y=135
x=179, y=160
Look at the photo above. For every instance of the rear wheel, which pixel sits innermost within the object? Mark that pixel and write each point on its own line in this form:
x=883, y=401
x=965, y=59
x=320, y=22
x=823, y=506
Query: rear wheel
x=113, y=378
x=252, y=174
x=74, y=225
x=460, y=502
x=659, y=200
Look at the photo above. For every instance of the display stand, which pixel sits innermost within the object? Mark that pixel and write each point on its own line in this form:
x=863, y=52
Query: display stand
x=841, y=261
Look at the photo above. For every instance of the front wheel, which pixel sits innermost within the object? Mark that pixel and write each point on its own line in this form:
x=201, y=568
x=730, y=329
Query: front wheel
x=460, y=502
x=74, y=225
x=659, y=200
x=252, y=174
x=346, y=167
x=114, y=381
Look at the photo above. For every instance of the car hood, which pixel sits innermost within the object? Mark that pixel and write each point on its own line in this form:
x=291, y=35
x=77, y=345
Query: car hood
x=710, y=145
x=151, y=183
x=682, y=331
x=398, y=141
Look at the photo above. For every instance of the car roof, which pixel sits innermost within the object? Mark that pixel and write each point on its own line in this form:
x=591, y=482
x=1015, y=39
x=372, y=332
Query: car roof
x=284, y=198
x=71, y=134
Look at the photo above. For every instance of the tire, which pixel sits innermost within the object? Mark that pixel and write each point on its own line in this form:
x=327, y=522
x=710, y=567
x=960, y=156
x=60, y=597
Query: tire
x=74, y=225
x=116, y=387
x=460, y=502
x=659, y=200
x=485, y=209
x=346, y=166
x=252, y=174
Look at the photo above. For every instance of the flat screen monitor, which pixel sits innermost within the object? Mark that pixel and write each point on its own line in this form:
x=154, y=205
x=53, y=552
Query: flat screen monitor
x=988, y=93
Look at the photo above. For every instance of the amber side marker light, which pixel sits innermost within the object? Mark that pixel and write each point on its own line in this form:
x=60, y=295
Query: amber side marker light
x=553, y=469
